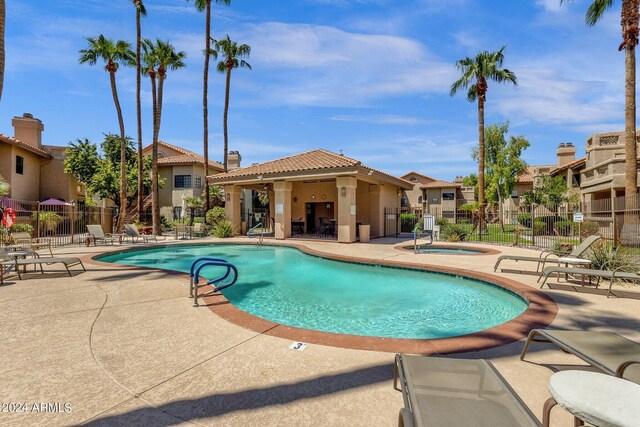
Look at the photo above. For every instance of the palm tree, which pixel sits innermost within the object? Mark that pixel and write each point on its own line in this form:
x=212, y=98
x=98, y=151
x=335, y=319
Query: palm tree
x=232, y=52
x=192, y=203
x=216, y=195
x=159, y=58
x=140, y=11
x=205, y=5
x=475, y=72
x=2, y=23
x=629, y=18
x=113, y=54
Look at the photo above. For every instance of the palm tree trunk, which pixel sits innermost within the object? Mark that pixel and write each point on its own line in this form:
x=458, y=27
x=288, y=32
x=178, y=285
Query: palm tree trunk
x=226, y=113
x=631, y=159
x=205, y=109
x=480, y=165
x=123, y=160
x=155, y=198
x=2, y=24
x=139, y=112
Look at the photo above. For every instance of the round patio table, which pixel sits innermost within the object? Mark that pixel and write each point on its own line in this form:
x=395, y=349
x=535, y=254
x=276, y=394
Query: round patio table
x=599, y=399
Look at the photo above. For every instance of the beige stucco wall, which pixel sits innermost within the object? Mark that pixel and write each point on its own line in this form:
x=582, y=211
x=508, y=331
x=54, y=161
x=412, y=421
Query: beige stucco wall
x=5, y=164
x=27, y=185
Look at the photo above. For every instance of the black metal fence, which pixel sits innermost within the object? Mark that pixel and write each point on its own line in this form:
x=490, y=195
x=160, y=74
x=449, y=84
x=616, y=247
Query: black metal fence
x=615, y=220
x=64, y=224
x=254, y=216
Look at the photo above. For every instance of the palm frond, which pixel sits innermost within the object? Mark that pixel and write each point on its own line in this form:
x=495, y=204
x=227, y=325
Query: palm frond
x=596, y=10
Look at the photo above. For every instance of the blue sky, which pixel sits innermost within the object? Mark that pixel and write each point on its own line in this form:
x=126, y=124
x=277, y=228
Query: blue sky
x=370, y=77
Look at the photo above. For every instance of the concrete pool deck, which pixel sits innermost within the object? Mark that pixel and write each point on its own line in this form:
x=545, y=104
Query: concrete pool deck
x=124, y=346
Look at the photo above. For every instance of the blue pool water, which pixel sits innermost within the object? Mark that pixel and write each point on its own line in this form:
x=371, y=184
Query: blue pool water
x=287, y=286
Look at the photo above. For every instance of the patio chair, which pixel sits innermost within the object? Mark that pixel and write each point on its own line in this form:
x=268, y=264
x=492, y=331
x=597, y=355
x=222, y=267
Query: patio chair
x=9, y=262
x=611, y=353
x=545, y=255
x=199, y=230
x=130, y=230
x=24, y=240
x=97, y=234
x=444, y=392
x=587, y=272
x=185, y=230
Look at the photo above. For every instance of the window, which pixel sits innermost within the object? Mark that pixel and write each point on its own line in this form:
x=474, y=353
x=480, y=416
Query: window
x=575, y=180
x=198, y=182
x=177, y=212
x=448, y=196
x=420, y=199
x=19, y=165
x=514, y=194
x=182, y=181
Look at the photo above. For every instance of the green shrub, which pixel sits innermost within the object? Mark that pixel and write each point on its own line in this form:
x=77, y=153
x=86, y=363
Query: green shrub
x=549, y=221
x=216, y=215
x=561, y=248
x=564, y=228
x=525, y=220
x=589, y=228
x=464, y=221
x=19, y=228
x=223, y=229
x=442, y=222
x=198, y=220
x=407, y=221
x=455, y=232
x=604, y=256
x=539, y=228
x=166, y=224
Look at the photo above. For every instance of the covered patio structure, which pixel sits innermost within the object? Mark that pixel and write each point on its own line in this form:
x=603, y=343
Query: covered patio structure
x=316, y=192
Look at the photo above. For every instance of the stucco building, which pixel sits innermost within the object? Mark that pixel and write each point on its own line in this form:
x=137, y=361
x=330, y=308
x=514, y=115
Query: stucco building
x=35, y=171
x=316, y=189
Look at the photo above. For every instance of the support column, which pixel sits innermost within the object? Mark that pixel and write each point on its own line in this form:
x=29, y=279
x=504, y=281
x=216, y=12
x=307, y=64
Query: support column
x=376, y=213
x=346, y=208
x=283, y=209
x=232, y=205
x=272, y=211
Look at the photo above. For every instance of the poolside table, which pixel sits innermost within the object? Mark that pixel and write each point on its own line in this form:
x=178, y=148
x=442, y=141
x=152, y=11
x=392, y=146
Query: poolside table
x=596, y=398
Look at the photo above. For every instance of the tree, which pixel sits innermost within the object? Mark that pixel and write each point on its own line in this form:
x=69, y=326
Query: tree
x=140, y=11
x=216, y=195
x=551, y=193
x=502, y=164
x=158, y=58
x=81, y=161
x=232, y=53
x=113, y=54
x=629, y=18
x=4, y=186
x=475, y=73
x=2, y=24
x=205, y=5
x=193, y=203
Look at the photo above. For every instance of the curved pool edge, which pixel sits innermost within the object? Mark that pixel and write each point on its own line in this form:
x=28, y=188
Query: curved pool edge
x=541, y=309
x=481, y=251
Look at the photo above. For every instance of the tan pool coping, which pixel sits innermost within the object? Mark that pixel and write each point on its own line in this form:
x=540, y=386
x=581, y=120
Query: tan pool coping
x=124, y=346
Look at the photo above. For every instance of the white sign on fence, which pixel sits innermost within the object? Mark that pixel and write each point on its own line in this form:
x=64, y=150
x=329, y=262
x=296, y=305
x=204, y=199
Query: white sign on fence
x=578, y=217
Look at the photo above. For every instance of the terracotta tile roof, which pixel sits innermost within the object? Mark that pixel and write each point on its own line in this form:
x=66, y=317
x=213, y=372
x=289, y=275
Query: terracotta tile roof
x=526, y=177
x=186, y=158
x=315, y=160
x=441, y=184
x=575, y=163
x=11, y=140
x=310, y=160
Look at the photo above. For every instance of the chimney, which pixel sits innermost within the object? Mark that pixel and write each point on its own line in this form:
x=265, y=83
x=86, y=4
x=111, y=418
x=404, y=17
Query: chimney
x=233, y=160
x=566, y=154
x=28, y=130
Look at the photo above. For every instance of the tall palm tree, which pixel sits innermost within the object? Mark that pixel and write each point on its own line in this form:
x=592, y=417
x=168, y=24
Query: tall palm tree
x=232, y=53
x=205, y=5
x=140, y=11
x=475, y=73
x=162, y=57
x=113, y=54
x=629, y=18
x=2, y=23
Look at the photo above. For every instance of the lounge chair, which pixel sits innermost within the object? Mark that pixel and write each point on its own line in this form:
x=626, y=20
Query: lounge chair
x=24, y=240
x=130, y=230
x=97, y=234
x=545, y=255
x=446, y=392
x=587, y=272
x=199, y=230
x=7, y=263
x=607, y=351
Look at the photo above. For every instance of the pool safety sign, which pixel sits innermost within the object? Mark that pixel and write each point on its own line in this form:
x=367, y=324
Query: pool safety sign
x=298, y=346
x=578, y=217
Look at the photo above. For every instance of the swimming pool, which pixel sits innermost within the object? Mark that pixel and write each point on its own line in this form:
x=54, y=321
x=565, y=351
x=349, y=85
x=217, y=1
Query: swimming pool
x=445, y=250
x=289, y=287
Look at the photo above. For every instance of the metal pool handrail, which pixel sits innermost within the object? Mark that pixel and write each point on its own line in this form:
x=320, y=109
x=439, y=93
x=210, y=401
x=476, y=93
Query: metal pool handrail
x=260, y=236
x=415, y=238
x=194, y=276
